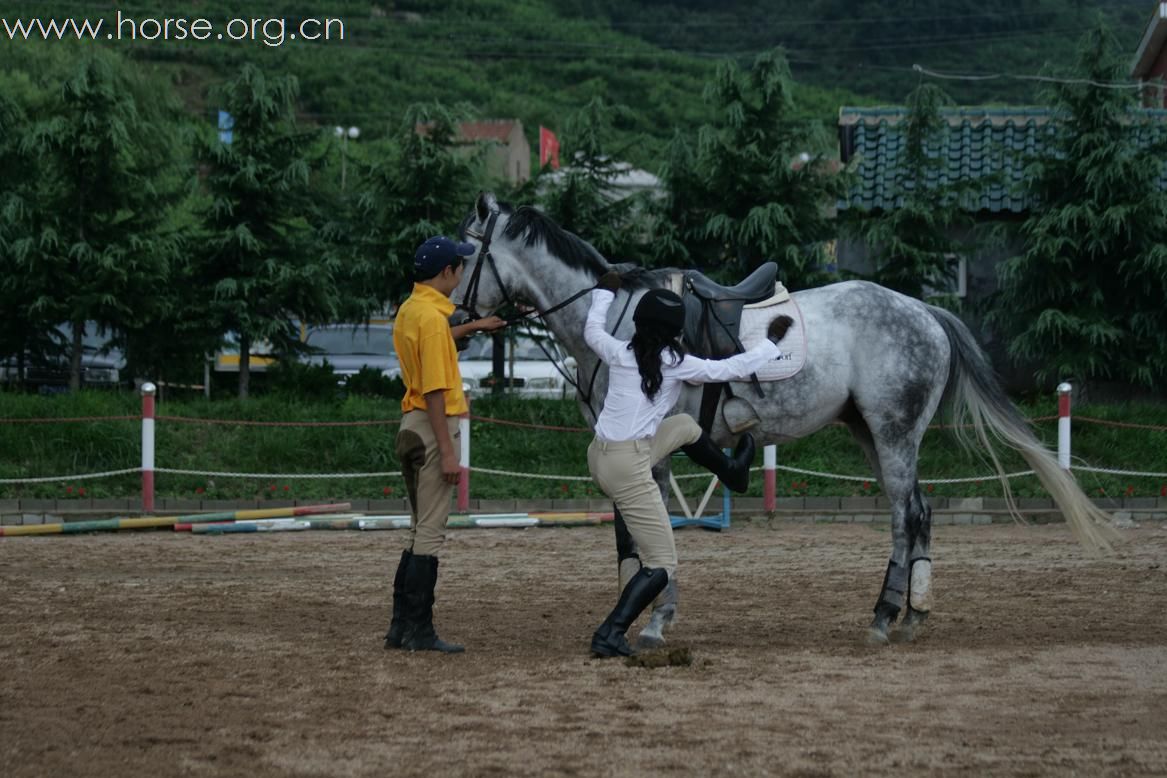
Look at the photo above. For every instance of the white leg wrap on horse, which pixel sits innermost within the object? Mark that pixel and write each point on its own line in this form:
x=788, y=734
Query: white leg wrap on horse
x=921, y=587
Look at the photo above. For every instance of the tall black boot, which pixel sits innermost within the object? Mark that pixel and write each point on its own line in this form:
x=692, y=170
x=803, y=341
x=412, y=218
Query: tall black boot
x=609, y=639
x=733, y=471
x=421, y=576
x=397, y=624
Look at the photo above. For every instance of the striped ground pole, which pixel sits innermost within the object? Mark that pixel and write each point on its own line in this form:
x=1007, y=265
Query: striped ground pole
x=108, y=525
x=148, y=390
x=1064, y=391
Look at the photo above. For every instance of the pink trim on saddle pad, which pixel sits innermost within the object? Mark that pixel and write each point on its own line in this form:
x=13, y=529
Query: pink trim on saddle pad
x=753, y=329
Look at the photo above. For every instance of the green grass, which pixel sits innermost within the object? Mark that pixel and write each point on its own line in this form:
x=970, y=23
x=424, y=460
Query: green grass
x=62, y=448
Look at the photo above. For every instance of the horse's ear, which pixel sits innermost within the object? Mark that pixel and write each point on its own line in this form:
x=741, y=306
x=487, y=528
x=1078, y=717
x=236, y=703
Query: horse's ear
x=485, y=204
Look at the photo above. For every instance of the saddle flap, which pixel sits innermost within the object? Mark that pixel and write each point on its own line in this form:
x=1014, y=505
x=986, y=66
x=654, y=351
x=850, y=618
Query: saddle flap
x=713, y=312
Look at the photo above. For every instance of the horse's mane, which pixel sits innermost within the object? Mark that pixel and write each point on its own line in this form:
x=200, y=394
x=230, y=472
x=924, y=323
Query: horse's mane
x=532, y=226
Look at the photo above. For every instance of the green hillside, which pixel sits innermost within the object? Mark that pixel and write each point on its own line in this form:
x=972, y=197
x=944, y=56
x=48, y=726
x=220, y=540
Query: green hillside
x=871, y=46
x=538, y=60
x=493, y=59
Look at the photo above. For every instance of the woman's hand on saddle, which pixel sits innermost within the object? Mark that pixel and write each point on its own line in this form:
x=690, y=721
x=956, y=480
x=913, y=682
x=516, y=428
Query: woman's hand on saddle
x=777, y=329
x=609, y=281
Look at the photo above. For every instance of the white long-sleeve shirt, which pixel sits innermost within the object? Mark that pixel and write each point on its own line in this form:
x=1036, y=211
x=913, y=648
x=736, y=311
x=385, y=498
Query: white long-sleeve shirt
x=628, y=414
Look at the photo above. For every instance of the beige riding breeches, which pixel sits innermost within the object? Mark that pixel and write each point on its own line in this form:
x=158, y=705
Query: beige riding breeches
x=623, y=469
x=429, y=492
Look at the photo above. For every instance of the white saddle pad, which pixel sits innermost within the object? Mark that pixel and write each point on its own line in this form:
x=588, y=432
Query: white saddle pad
x=756, y=318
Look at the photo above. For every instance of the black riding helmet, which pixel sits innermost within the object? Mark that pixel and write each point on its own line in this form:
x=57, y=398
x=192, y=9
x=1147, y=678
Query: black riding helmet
x=661, y=308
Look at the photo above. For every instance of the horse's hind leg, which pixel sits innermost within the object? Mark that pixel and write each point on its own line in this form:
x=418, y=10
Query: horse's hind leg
x=919, y=522
x=911, y=522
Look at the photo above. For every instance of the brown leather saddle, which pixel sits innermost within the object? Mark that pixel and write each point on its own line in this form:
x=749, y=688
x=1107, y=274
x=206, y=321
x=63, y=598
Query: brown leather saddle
x=713, y=315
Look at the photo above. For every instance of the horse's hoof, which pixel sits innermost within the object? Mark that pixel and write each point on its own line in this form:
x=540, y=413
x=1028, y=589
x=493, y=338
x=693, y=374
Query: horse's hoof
x=647, y=641
x=905, y=634
x=910, y=626
x=664, y=616
x=876, y=637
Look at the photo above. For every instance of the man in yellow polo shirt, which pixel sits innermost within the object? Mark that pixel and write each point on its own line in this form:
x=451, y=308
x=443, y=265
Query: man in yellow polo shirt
x=424, y=341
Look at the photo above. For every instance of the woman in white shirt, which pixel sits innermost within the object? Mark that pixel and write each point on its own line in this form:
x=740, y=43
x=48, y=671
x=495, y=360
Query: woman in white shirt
x=644, y=382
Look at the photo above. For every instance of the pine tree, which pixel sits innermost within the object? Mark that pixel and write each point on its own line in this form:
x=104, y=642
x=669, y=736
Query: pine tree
x=754, y=188
x=22, y=331
x=107, y=150
x=913, y=243
x=420, y=184
x=265, y=262
x=1085, y=299
x=583, y=197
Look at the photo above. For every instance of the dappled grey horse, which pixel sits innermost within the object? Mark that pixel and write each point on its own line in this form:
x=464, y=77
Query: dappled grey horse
x=876, y=360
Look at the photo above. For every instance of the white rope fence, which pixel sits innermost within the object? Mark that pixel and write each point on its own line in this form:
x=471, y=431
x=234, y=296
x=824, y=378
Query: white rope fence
x=301, y=476
x=85, y=476
x=147, y=470
x=543, y=476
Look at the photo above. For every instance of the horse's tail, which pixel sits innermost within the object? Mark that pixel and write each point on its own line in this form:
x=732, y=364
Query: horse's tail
x=977, y=401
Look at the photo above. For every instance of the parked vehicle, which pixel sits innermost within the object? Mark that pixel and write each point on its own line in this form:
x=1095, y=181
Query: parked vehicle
x=102, y=364
x=529, y=370
x=349, y=347
x=263, y=353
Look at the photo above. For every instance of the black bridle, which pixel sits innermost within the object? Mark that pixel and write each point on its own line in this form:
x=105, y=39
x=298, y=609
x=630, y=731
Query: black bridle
x=469, y=304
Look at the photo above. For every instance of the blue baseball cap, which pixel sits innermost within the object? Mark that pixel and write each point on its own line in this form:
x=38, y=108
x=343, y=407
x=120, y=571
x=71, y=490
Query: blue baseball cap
x=436, y=253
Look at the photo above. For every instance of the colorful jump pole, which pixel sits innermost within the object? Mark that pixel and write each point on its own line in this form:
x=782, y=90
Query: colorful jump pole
x=464, y=459
x=148, y=390
x=1064, y=391
x=108, y=525
x=769, y=477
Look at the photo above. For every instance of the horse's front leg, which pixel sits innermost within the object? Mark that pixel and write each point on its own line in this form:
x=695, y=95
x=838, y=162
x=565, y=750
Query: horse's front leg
x=664, y=607
x=908, y=580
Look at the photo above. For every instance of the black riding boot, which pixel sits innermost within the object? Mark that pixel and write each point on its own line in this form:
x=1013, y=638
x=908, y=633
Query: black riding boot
x=421, y=576
x=397, y=624
x=609, y=639
x=733, y=471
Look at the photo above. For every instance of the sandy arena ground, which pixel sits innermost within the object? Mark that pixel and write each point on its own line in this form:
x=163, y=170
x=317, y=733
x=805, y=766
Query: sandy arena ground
x=165, y=654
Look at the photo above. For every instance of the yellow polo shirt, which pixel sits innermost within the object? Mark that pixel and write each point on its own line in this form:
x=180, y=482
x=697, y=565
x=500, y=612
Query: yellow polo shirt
x=426, y=350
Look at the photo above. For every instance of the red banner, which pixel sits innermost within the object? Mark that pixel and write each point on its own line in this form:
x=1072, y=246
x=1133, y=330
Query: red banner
x=548, y=148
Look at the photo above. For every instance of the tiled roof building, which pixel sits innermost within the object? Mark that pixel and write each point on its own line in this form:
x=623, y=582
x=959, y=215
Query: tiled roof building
x=982, y=144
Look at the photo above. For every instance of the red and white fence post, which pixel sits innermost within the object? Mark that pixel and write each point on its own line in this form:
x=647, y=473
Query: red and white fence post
x=1064, y=390
x=148, y=390
x=769, y=476
x=464, y=460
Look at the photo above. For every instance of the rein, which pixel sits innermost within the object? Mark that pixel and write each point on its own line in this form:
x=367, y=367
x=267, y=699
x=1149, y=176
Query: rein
x=469, y=304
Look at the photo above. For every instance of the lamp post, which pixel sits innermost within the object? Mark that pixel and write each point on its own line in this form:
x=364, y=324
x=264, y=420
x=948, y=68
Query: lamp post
x=344, y=134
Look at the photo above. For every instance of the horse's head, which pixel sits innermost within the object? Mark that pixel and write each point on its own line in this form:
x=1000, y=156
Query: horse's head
x=523, y=257
x=490, y=277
